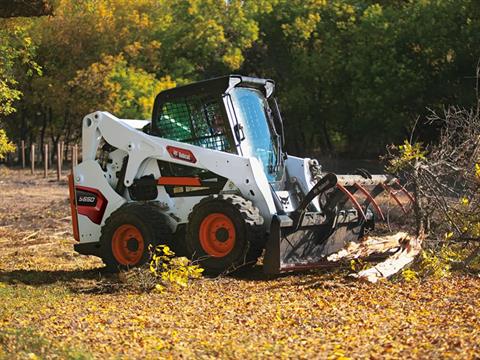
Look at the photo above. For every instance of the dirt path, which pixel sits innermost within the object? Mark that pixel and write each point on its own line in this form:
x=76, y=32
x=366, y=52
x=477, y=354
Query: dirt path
x=49, y=307
x=35, y=227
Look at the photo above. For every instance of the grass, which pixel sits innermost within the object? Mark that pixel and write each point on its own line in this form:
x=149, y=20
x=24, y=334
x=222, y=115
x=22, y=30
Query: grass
x=19, y=336
x=27, y=344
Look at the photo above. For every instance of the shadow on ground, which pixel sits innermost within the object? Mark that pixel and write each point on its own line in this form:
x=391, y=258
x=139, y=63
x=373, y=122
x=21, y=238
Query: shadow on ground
x=34, y=277
x=328, y=277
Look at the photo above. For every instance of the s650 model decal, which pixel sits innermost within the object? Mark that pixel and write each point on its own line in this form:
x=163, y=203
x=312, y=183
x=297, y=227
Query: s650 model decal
x=91, y=203
x=85, y=198
x=181, y=154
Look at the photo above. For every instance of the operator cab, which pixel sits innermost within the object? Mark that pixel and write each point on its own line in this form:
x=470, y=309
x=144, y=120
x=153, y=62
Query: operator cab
x=234, y=113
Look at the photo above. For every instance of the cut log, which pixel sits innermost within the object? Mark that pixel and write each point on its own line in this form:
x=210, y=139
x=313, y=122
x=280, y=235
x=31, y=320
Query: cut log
x=410, y=248
x=402, y=248
x=370, y=245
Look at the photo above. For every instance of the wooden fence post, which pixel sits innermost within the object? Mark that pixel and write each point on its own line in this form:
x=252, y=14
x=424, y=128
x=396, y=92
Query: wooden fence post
x=23, y=154
x=62, y=154
x=59, y=161
x=45, y=160
x=74, y=156
x=32, y=158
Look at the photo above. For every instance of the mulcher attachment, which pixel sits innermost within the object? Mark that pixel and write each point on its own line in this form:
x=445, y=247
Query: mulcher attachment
x=304, y=239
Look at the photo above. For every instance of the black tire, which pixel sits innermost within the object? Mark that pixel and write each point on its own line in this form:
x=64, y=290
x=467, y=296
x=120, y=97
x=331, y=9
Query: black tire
x=130, y=219
x=249, y=234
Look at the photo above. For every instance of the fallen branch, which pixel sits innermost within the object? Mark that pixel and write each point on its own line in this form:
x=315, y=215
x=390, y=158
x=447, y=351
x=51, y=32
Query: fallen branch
x=31, y=235
x=403, y=247
x=410, y=248
x=368, y=246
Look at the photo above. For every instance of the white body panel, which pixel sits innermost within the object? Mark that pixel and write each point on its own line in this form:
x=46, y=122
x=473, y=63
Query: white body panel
x=89, y=174
x=298, y=170
x=244, y=174
x=136, y=124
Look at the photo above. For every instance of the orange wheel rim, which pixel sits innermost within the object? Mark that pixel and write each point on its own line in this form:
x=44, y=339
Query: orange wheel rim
x=217, y=235
x=128, y=245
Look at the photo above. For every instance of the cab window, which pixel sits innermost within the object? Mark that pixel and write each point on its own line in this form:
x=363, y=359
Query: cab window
x=195, y=120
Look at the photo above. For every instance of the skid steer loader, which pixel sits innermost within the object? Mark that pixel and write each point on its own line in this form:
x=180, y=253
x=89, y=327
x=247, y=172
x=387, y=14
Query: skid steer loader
x=209, y=177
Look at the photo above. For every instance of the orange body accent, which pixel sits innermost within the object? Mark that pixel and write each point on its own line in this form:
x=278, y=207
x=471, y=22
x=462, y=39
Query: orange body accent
x=208, y=234
x=179, y=181
x=73, y=207
x=120, y=244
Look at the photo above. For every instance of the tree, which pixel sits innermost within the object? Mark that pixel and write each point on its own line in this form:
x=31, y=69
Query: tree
x=344, y=69
x=16, y=55
x=16, y=52
x=351, y=69
x=446, y=181
x=114, y=86
x=16, y=60
x=173, y=41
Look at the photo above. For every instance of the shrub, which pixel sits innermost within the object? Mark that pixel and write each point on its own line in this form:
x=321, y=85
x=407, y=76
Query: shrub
x=5, y=145
x=445, y=178
x=164, y=270
x=169, y=270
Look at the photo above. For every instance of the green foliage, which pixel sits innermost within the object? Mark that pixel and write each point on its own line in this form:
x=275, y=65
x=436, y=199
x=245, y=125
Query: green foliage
x=350, y=74
x=439, y=262
x=407, y=156
x=436, y=262
x=140, y=47
x=25, y=343
x=112, y=85
x=6, y=146
x=357, y=265
x=467, y=216
x=364, y=68
x=170, y=270
x=445, y=182
x=206, y=37
x=16, y=55
x=164, y=271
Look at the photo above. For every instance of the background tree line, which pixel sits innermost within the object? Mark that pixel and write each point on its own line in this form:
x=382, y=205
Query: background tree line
x=351, y=75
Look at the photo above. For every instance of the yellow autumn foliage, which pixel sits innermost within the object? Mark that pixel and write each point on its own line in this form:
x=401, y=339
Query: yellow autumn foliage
x=57, y=304
x=169, y=270
x=408, y=154
x=6, y=146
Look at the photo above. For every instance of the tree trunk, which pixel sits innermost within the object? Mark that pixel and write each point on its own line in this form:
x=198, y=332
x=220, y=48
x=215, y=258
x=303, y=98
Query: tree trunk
x=25, y=8
x=417, y=204
x=43, y=131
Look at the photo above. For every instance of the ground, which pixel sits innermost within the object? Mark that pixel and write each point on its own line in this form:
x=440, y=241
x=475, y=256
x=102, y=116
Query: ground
x=54, y=303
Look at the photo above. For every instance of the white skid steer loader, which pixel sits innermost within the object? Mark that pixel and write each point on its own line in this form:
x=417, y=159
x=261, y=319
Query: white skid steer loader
x=208, y=177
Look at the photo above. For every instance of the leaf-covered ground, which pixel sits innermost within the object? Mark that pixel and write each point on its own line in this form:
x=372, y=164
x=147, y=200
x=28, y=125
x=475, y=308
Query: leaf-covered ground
x=54, y=303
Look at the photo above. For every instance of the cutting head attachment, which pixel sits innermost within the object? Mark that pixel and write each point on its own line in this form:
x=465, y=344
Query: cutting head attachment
x=305, y=239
